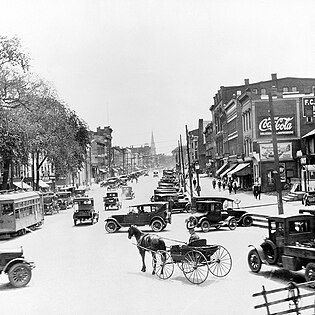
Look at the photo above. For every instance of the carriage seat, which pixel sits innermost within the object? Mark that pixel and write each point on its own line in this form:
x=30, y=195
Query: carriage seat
x=198, y=243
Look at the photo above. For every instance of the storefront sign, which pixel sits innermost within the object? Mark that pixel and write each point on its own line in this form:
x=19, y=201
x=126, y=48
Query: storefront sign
x=284, y=151
x=309, y=106
x=284, y=125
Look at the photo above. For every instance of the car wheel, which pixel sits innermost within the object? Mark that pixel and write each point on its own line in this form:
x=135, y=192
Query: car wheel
x=270, y=252
x=205, y=226
x=232, y=224
x=20, y=275
x=111, y=227
x=247, y=221
x=310, y=272
x=188, y=208
x=254, y=261
x=157, y=225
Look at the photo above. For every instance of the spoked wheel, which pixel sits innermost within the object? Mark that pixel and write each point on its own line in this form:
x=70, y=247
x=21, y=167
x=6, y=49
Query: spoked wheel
x=195, y=267
x=20, y=275
x=221, y=262
x=164, y=264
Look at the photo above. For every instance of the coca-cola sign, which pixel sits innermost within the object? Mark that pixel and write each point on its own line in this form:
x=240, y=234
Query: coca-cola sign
x=284, y=125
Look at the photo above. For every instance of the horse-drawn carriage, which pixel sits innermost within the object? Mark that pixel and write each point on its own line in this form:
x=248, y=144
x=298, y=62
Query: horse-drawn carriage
x=195, y=259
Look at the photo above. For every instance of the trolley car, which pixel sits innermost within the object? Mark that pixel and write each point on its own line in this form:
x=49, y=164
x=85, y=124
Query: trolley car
x=20, y=211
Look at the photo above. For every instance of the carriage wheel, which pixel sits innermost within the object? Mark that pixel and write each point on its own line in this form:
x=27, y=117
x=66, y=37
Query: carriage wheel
x=220, y=263
x=164, y=264
x=195, y=267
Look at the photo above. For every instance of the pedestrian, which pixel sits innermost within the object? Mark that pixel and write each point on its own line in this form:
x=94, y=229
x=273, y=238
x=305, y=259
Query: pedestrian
x=230, y=186
x=255, y=190
x=219, y=184
x=258, y=191
x=193, y=236
x=234, y=187
x=223, y=184
x=214, y=182
x=194, y=182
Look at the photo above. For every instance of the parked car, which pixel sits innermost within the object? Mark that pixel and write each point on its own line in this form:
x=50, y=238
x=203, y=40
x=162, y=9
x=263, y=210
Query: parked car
x=210, y=214
x=155, y=214
x=177, y=204
x=84, y=210
x=79, y=192
x=230, y=205
x=289, y=245
x=13, y=263
x=308, y=198
x=111, y=201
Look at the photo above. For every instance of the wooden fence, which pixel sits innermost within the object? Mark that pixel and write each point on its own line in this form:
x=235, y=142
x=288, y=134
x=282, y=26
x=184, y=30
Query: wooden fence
x=292, y=300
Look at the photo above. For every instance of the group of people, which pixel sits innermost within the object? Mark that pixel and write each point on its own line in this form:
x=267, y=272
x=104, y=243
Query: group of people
x=257, y=190
x=232, y=185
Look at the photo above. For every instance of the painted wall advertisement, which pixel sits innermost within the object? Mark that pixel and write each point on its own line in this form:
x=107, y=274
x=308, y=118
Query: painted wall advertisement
x=285, y=125
x=284, y=151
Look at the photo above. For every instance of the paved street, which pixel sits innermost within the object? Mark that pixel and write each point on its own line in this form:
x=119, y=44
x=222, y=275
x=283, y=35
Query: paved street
x=84, y=270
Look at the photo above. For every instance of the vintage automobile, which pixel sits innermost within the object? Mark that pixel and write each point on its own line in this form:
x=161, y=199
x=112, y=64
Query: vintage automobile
x=210, y=214
x=110, y=182
x=84, y=210
x=289, y=245
x=127, y=192
x=230, y=205
x=308, y=198
x=111, y=201
x=19, y=270
x=79, y=192
x=177, y=204
x=155, y=214
x=50, y=203
x=64, y=199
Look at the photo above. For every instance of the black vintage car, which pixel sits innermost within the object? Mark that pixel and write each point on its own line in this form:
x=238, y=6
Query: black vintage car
x=64, y=199
x=13, y=263
x=229, y=205
x=210, y=214
x=177, y=204
x=289, y=245
x=111, y=201
x=84, y=210
x=50, y=203
x=155, y=214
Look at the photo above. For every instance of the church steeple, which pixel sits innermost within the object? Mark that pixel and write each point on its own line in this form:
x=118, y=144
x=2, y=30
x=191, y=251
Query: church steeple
x=153, y=149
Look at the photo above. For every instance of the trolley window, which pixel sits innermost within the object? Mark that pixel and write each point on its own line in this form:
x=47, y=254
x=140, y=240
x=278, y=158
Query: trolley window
x=7, y=209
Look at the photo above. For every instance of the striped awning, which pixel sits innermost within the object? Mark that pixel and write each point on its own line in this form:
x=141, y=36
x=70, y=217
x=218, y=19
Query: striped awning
x=241, y=169
x=221, y=169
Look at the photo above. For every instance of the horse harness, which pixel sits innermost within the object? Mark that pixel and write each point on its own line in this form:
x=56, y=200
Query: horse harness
x=144, y=242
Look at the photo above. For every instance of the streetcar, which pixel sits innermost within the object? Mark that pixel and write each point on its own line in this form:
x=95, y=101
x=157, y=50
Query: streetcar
x=19, y=212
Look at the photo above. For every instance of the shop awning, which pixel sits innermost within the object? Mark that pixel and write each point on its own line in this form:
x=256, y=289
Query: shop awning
x=42, y=184
x=22, y=185
x=241, y=170
x=309, y=168
x=221, y=169
x=311, y=133
x=228, y=170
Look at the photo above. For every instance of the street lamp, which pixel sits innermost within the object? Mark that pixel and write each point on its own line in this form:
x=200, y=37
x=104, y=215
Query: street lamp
x=197, y=172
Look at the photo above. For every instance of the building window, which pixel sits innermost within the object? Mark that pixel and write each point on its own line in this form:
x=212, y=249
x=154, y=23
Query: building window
x=270, y=180
x=294, y=89
x=250, y=119
x=309, y=119
x=255, y=91
x=263, y=92
x=285, y=89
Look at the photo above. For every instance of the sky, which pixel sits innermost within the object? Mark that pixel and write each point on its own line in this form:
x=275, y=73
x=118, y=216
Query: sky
x=143, y=66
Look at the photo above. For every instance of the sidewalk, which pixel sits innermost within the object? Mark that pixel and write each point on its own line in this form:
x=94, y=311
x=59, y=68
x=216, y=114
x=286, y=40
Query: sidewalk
x=268, y=201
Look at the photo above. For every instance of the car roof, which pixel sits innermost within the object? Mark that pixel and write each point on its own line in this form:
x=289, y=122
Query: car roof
x=287, y=216
x=157, y=203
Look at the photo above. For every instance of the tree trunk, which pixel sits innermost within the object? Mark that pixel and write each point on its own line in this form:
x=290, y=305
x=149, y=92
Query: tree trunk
x=6, y=170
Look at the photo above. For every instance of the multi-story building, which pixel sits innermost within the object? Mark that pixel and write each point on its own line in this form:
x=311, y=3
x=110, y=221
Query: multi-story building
x=242, y=138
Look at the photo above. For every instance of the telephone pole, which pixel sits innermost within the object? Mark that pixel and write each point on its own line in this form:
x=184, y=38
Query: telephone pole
x=276, y=155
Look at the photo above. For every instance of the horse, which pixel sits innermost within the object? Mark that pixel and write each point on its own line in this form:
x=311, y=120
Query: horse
x=149, y=242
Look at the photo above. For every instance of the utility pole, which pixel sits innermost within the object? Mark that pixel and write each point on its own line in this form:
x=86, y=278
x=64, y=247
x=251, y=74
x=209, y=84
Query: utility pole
x=276, y=155
x=183, y=164
x=189, y=166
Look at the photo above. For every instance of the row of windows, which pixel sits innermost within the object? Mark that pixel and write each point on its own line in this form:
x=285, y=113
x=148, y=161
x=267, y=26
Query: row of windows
x=285, y=89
